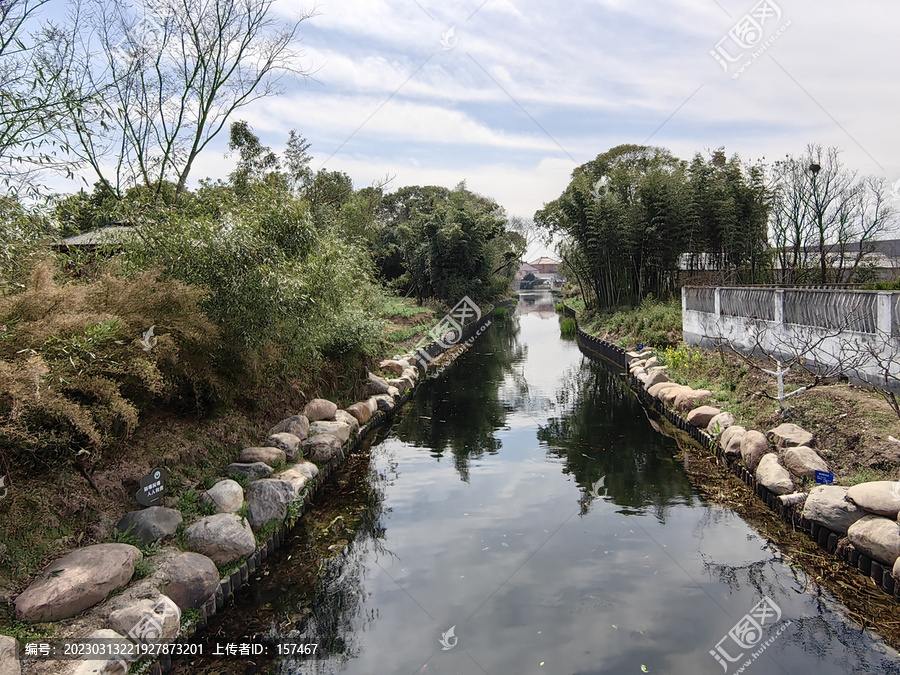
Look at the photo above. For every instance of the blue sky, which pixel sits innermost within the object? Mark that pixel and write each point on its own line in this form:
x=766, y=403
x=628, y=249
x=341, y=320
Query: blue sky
x=528, y=90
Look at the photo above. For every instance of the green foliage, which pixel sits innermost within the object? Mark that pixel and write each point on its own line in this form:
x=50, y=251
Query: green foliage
x=682, y=361
x=567, y=328
x=653, y=323
x=73, y=367
x=628, y=218
x=24, y=234
x=445, y=244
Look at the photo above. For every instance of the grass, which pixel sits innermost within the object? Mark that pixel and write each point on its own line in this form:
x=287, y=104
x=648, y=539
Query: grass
x=405, y=321
x=396, y=306
x=567, y=328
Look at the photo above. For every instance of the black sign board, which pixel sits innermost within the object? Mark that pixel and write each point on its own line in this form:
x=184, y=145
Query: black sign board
x=153, y=488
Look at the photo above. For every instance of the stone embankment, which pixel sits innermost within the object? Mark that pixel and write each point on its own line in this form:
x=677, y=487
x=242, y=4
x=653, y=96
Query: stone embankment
x=113, y=591
x=860, y=524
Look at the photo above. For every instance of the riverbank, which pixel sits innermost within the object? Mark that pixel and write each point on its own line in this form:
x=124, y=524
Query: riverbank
x=298, y=437
x=801, y=524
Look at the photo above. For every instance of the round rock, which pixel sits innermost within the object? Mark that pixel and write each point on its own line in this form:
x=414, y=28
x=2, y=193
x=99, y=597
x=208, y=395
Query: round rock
x=319, y=409
x=828, y=505
x=790, y=436
x=227, y=495
x=753, y=447
x=9, y=656
x=296, y=424
x=360, y=412
x=700, y=417
x=268, y=456
x=253, y=470
x=77, y=581
x=322, y=448
x=877, y=537
x=151, y=524
x=147, y=619
x=803, y=461
x=721, y=422
x=774, y=476
x=289, y=443
x=269, y=499
x=189, y=579
x=880, y=497
x=339, y=430
x=223, y=537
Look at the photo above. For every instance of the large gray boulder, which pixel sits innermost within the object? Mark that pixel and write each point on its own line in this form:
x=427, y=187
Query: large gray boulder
x=880, y=497
x=269, y=499
x=227, y=495
x=360, y=412
x=77, y=581
x=296, y=478
x=151, y=524
x=753, y=446
x=773, y=476
x=376, y=385
x=721, y=422
x=656, y=390
x=296, y=424
x=790, y=436
x=223, y=537
x=385, y=402
x=828, y=505
x=877, y=537
x=372, y=404
x=253, y=470
x=308, y=469
x=146, y=619
x=700, y=417
x=319, y=409
x=803, y=461
x=289, y=443
x=347, y=418
x=339, y=430
x=656, y=376
x=322, y=448
x=9, y=659
x=688, y=398
x=188, y=579
x=730, y=440
x=668, y=396
x=268, y=456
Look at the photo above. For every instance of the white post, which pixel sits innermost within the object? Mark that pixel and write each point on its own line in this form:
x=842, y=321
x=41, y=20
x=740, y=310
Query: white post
x=717, y=303
x=884, y=308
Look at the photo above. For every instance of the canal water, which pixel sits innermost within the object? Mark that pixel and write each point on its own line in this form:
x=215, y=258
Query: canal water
x=526, y=518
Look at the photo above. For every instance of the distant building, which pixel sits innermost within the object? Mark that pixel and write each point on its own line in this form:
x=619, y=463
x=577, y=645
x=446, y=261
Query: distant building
x=525, y=269
x=546, y=265
x=88, y=241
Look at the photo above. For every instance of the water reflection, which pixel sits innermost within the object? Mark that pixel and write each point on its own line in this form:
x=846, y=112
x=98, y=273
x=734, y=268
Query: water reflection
x=563, y=537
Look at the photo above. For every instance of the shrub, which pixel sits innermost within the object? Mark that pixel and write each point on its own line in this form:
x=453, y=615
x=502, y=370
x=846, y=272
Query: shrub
x=567, y=328
x=74, y=374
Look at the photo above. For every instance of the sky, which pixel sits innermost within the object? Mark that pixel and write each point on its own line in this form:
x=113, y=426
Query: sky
x=512, y=95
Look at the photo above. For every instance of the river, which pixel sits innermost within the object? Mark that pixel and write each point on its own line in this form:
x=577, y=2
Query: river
x=525, y=517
